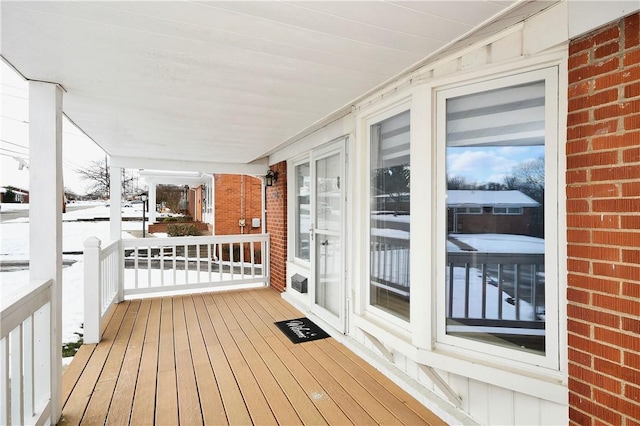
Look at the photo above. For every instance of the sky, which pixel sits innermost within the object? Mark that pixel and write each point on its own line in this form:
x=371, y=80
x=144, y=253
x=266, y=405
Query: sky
x=489, y=163
x=77, y=149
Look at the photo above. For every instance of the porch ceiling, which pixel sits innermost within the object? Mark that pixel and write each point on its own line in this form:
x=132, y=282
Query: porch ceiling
x=228, y=81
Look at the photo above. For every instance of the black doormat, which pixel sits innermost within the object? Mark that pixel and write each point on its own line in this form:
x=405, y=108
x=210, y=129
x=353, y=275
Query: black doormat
x=301, y=330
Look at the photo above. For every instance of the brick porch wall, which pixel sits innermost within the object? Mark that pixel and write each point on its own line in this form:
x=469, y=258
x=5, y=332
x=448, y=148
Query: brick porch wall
x=603, y=220
x=229, y=206
x=277, y=227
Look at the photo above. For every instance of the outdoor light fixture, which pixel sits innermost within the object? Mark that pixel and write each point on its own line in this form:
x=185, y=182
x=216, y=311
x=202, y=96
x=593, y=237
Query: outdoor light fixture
x=143, y=197
x=271, y=178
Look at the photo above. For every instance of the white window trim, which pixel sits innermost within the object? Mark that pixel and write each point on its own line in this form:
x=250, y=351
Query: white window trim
x=519, y=212
x=291, y=201
x=485, y=351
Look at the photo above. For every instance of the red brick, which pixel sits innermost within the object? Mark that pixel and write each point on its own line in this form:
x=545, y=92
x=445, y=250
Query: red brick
x=578, y=418
x=617, y=110
x=593, y=316
x=631, y=155
x=606, y=50
x=594, y=409
x=615, y=370
x=596, y=69
x=595, y=378
x=632, y=392
x=589, y=101
x=578, y=236
x=632, y=122
x=627, y=239
x=593, y=191
x=632, y=31
x=623, y=271
x=576, y=176
x=631, y=58
x=578, y=60
x=631, y=256
x=617, y=78
x=580, y=357
x=616, y=141
x=632, y=325
x=593, y=221
x=575, y=206
x=578, y=296
x=590, y=282
x=632, y=90
x=594, y=253
x=580, y=387
x=630, y=205
x=580, y=117
x=588, y=130
x=578, y=266
x=630, y=307
x=577, y=327
x=616, y=173
x=579, y=89
x=631, y=290
x=616, y=403
x=592, y=159
x=631, y=359
x=630, y=222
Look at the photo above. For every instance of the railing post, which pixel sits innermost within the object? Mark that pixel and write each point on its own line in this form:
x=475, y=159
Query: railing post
x=92, y=302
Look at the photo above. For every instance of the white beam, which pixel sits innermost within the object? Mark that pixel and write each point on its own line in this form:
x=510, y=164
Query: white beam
x=257, y=168
x=115, y=202
x=45, y=213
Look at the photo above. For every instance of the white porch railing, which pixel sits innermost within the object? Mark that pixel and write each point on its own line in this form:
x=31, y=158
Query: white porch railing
x=147, y=266
x=25, y=358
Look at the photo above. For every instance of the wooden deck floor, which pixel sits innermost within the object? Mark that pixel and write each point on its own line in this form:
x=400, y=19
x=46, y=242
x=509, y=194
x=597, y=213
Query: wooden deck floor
x=219, y=359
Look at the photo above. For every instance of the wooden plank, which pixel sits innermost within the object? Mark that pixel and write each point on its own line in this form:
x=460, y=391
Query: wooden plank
x=100, y=401
x=166, y=391
x=254, y=398
x=188, y=398
x=122, y=401
x=74, y=370
x=144, y=398
x=412, y=403
x=331, y=410
x=74, y=409
x=234, y=404
x=276, y=398
x=210, y=399
x=293, y=391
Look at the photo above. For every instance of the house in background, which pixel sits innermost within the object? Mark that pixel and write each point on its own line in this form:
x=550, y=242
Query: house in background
x=11, y=194
x=350, y=101
x=504, y=212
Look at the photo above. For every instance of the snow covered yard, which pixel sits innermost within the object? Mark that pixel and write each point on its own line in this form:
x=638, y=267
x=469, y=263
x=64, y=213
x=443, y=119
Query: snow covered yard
x=14, y=248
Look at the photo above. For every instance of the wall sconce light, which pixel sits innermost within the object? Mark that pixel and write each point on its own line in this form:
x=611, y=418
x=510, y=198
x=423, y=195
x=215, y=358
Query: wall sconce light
x=271, y=178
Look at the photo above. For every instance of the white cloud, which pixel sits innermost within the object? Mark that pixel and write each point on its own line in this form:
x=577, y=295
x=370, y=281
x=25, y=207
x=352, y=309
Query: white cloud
x=478, y=165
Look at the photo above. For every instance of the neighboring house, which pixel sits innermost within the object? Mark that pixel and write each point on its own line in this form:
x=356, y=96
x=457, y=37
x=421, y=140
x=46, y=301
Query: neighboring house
x=493, y=328
x=503, y=212
x=18, y=195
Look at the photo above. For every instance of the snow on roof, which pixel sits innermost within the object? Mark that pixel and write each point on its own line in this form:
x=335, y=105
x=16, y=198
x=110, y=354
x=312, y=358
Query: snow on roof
x=475, y=198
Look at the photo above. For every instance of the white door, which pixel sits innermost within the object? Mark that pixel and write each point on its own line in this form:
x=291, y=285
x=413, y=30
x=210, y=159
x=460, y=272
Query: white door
x=327, y=243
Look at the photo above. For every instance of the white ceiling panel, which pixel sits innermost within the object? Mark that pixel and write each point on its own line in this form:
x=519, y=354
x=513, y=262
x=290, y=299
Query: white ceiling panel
x=225, y=81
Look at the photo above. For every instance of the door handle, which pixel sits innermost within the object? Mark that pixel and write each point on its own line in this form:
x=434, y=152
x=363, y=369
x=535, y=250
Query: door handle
x=311, y=232
x=325, y=243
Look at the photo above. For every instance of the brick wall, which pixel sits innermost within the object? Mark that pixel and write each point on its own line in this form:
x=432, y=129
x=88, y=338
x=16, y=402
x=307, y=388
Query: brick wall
x=277, y=227
x=603, y=219
x=229, y=205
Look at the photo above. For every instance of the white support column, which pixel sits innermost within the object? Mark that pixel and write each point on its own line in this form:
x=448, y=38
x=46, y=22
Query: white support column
x=115, y=203
x=92, y=291
x=152, y=202
x=45, y=213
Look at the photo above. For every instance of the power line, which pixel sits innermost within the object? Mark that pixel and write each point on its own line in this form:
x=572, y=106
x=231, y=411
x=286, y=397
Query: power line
x=10, y=150
x=15, y=96
x=11, y=143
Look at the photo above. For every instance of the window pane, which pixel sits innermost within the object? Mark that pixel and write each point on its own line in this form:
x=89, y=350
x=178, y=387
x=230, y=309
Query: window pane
x=390, y=208
x=495, y=258
x=303, y=222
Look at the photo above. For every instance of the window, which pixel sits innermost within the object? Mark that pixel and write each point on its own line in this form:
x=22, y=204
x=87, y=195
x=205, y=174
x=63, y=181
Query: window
x=302, y=211
x=496, y=286
x=389, y=288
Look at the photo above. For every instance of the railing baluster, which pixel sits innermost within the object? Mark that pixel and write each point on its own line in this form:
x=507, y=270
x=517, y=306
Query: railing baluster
x=29, y=349
x=135, y=265
x=186, y=264
x=198, y=263
x=231, y=258
x=534, y=288
x=500, y=274
x=516, y=291
x=253, y=259
x=484, y=290
x=209, y=260
x=17, y=383
x=467, y=267
x=4, y=382
x=162, y=266
x=174, y=250
x=242, y=260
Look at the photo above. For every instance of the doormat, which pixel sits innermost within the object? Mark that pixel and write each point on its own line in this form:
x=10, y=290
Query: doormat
x=301, y=330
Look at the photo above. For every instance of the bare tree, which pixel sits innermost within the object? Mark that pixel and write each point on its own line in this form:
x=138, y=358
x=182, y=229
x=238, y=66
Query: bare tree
x=98, y=174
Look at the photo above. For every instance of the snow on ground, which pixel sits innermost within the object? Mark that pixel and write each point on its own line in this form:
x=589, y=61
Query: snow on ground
x=14, y=246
